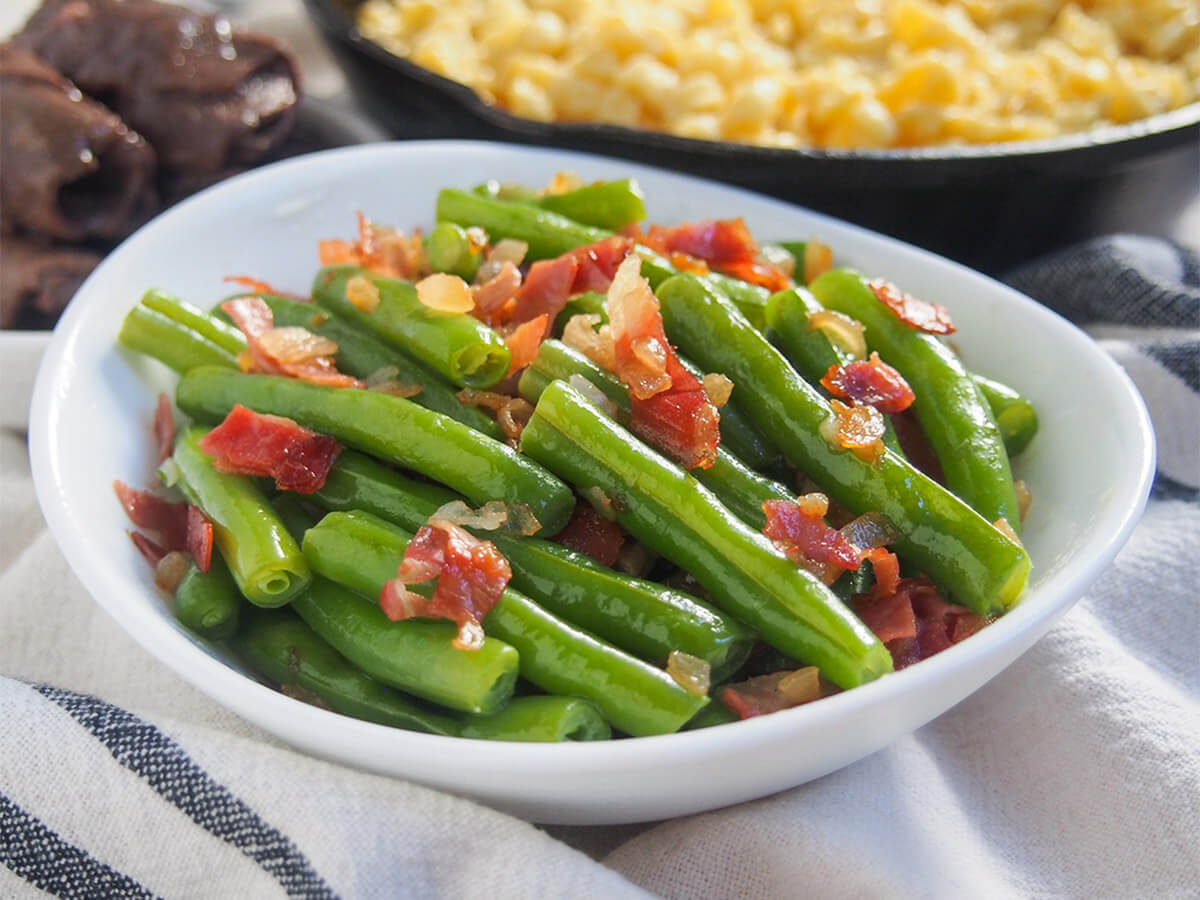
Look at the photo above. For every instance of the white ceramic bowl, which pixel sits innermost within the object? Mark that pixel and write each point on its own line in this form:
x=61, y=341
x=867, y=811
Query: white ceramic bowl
x=1089, y=468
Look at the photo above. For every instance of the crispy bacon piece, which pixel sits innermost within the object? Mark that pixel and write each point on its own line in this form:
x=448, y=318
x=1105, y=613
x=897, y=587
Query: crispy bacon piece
x=725, y=245
x=799, y=530
x=932, y=318
x=524, y=341
x=147, y=510
x=471, y=575
x=164, y=427
x=872, y=382
x=149, y=550
x=254, y=286
x=249, y=443
x=913, y=620
x=199, y=537
x=670, y=408
x=277, y=351
x=551, y=282
x=591, y=534
x=774, y=692
x=495, y=298
x=380, y=249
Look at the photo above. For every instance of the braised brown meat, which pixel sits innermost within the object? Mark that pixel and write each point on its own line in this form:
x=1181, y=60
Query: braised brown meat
x=72, y=169
x=37, y=279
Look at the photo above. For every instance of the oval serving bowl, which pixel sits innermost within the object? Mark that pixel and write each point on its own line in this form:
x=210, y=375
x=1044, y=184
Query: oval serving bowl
x=93, y=404
x=990, y=206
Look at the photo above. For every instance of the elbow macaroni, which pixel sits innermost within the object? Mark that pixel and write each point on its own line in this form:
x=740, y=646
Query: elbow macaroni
x=820, y=73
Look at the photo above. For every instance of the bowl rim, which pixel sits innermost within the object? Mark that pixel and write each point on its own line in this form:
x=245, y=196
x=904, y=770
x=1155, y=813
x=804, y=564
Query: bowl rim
x=301, y=722
x=1163, y=129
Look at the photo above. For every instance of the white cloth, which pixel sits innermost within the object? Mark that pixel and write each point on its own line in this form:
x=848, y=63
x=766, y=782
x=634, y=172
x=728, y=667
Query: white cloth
x=1075, y=773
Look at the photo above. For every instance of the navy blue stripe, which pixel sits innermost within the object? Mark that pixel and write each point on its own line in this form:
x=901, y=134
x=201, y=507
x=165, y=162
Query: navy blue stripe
x=143, y=749
x=43, y=858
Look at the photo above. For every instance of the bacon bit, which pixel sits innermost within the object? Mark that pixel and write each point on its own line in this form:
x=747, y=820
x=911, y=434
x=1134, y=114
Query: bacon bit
x=551, y=282
x=685, y=263
x=670, y=408
x=524, y=341
x=818, y=259
x=254, y=286
x=871, y=382
x=471, y=575
x=149, y=550
x=199, y=537
x=886, y=566
x=581, y=334
x=169, y=571
x=380, y=249
x=254, y=318
x=336, y=253
x=800, y=532
x=691, y=673
x=147, y=510
x=771, y=693
x=1024, y=498
x=932, y=318
x=445, y=293
x=362, y=294
x=511, y=412
x=718, y=387
x=593, y=535
x=164, y=427
x=250, y=443
x=856, y=428
x=842, y=331
x=725, y=245
x=913, y=621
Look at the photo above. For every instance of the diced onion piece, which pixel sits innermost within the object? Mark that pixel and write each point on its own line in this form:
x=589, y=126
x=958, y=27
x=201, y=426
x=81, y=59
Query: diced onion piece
x=581, y=334
x=508, y=250
x=477, y=239
x=842, y=331
x=815, y=504
x=511, y=412
x=818, y=259
x=522, y=521
x=856, y=428
x=445, y=293
x=292, y=344
x=170, y=571
x=489, y=517
x=691, y=673
x=718, y=387
x=1024, y=498
x=802, y=685
x=600, y=501
x=563, y=182
x=362, y=294
x=870, y=530
x=1003, y=526
x=594, y=395
x=774, y=255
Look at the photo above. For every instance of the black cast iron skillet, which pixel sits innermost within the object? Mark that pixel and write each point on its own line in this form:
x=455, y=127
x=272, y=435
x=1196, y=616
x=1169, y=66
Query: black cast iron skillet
x=990, y=206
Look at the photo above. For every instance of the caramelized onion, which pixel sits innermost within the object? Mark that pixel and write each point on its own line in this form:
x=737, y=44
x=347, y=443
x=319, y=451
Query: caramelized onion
x=495, y=515
x=594, y=395
x=362, y=294
x=511, y=412
x=691, y=673
x=818, y=259
x=856, y=428
x=445, y=293
x=581, y=334
x=842, y=331
x=1024, y=498
x=870, y=530
x=292, y=344
x=508, y=250
x=718, y=387
x=170, y=570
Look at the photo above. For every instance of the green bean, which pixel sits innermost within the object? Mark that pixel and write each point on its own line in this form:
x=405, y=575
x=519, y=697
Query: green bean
x=449, y=250
x=640, y=617
x=735, y=484
x=362, y=551
x=265, y=562
x=952, y=413
x=508, y=192
x=221, y=333
x=540, y=718
x=416, y=656
x=1014, y=413
x=391, y=428
x=963, y=552
x=604, y=204
x=457, y=346
x=173, y=343
x=669, y=511
x=207, y=602
x=716, y=713
x=549, y=234
x=362, y=355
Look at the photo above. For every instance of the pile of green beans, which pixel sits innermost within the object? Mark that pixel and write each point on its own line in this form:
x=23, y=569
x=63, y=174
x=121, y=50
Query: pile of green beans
x=574, y=650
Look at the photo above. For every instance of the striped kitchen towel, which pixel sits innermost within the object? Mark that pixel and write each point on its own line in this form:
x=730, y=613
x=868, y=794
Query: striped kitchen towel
x=1076, y=772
